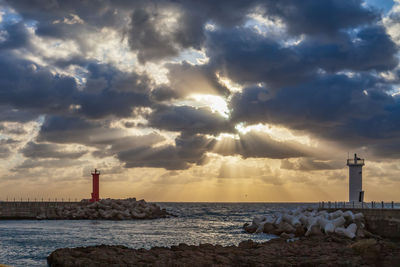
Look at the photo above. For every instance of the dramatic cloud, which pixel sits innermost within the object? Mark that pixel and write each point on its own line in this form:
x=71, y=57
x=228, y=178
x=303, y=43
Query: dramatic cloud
x=248, y=57
x=16, y=36
x=48, y=164
x=186, y=79
x=25, y=85
x=186, y=151
x=35, y=150
x=320, y=17
x=336, y=107
x=4, y=152
x=308, y=164
x=259, y=145
x=165, y=84
x=189, y=120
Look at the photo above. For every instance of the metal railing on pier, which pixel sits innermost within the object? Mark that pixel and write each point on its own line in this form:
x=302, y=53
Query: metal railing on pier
x=16, y=199
x=358, y=205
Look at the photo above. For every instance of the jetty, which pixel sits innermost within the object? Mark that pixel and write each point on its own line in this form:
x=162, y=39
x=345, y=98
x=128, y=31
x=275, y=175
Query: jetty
x=30, y=210
x=380, y=219
x=86, y=209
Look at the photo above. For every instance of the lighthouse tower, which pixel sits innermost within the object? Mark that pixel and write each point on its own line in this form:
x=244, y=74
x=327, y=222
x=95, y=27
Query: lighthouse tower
x=95, y=193
x=355, y=179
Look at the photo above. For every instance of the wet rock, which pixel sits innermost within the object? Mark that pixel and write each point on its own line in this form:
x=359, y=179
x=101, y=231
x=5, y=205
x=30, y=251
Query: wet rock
x=314, y=251
x=286, y=235
x=300, y=231
x=250, y=228
x=268, y=228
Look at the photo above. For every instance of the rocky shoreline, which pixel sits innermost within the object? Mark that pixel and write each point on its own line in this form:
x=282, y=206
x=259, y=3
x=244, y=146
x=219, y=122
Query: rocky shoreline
x=105, y=209
x=311, y=251
x=307, y=238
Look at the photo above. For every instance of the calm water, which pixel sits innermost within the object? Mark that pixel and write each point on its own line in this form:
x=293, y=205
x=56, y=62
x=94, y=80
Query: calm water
x=28, y=243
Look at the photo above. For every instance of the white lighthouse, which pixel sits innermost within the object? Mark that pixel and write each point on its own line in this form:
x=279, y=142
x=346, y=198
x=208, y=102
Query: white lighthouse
x=355, y=179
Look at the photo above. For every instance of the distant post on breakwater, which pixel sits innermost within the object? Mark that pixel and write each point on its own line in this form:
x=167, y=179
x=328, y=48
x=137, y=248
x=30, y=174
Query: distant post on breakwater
x=356, y=194
x=95, y=184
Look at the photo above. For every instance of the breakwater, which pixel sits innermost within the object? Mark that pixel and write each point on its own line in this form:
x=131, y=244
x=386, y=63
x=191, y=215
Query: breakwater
x=383, y=222
x=15, y=210
x=105, y=209
x=307, y=222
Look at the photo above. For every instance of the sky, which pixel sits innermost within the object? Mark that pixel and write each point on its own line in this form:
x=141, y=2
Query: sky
x=229, y=101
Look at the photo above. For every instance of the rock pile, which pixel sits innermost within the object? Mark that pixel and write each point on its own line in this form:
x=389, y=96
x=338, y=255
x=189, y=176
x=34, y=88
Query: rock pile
x=303, y=222
x=106, y=209
x=314, y=251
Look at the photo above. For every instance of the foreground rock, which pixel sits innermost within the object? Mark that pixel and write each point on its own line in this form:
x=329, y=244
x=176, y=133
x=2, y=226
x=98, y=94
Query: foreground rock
x=312, y=251
x=106, y=209
x=303, y=222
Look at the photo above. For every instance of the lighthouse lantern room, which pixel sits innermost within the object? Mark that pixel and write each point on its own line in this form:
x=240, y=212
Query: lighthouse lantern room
x=355, y=179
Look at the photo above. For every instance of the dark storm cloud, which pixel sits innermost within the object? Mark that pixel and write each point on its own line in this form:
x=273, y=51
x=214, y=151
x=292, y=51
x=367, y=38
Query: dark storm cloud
x=72, y=19
x=42, y=150
x=248, y=57
x=336, y=107
x=188, y=150
x=144, y=38
x=61, y=129
x=111, y=146
x=189, y=120
x=148, y=33
x=164, y=93
x=112, y=92
x=9, y=113
x=309, y=164
x=25, y=85
x=108, y=141
x=305, y=17
x=16, y=36
x=320, y=17
x=371, y=49
x=260, y=145
x=28, y=86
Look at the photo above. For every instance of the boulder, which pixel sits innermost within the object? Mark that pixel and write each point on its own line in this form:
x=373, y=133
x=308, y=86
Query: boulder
x=300, y=231
x=313, y=230
x=335, y=214
x=302, y=222
x=349, y=216
x=283, y=227
x=250, y=228
x=349, y=232
x=286, y=236
x=338, y=222
x=359, y=217
x=268, y=228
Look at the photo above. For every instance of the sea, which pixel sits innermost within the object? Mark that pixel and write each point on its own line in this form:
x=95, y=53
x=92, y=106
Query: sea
x=29, y=242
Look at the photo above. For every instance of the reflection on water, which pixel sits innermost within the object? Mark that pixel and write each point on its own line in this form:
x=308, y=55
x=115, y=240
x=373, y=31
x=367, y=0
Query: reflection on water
x=28, y=243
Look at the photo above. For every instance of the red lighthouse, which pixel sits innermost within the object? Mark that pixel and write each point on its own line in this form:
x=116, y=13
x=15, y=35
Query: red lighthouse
x=95, y=193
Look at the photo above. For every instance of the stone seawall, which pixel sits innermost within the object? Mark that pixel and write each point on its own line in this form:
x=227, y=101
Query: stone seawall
x=30, y=210
x=383, y=222
x=105, y=209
